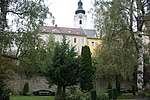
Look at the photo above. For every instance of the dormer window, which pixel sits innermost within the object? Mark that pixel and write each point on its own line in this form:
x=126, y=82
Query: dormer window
x=69, y=31
x=53, y=30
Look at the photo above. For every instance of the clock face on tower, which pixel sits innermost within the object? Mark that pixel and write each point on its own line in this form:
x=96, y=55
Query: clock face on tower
x=80, y=16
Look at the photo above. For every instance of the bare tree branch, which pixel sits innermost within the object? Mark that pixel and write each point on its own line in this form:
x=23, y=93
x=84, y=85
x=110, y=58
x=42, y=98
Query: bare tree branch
x=17, y=13
x=9, y=56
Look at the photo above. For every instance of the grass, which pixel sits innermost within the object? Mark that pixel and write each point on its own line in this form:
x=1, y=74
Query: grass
x=121, y=97
x=127, y=96
x=31, y=98
x=130, y=96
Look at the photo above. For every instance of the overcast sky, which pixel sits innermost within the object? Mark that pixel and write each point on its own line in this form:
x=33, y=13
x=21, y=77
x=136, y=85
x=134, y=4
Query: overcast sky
x=64, y=10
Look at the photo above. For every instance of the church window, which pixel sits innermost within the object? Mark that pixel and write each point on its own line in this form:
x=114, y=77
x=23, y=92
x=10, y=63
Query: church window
x=80, y=21
x=92, y=43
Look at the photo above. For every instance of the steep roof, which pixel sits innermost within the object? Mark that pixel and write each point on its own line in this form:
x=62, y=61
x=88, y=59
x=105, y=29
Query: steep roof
x=63, y=30
x=91, y=33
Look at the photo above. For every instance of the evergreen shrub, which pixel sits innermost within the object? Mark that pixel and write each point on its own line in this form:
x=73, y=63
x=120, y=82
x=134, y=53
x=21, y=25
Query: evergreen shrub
x=4, y=91
x=26, y=89
x=93, y=94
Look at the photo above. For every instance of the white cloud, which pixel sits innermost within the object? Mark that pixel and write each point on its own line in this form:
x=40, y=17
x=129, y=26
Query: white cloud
x=64, y=10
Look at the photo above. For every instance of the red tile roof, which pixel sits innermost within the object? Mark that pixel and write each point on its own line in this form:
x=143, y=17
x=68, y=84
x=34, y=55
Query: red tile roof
x=63, y=30
x=91, y=33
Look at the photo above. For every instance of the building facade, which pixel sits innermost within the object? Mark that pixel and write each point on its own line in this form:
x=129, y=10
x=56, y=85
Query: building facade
x=77, y=36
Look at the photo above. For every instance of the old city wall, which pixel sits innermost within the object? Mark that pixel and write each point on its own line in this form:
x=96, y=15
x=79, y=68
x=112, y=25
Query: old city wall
x=16, y=84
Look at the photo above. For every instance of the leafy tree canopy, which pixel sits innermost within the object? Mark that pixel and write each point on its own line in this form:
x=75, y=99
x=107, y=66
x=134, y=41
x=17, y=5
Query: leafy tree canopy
x=125, y=25
x=64, y=70
x=19, y=28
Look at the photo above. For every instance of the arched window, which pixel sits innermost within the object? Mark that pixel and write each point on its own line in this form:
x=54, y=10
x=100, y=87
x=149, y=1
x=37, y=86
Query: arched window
x=80, y=22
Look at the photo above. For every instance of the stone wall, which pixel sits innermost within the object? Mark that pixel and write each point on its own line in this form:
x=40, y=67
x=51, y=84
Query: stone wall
x=39, y=83
x=35, y=83
x=16, y=84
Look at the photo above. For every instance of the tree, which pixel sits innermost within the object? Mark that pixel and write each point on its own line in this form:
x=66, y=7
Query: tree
x=114, y=56
x=115, y=62
x=34, y=59
x=21, y=34
x=28, y=16
x=64, y=70
x=126, y=18
x=87, y=70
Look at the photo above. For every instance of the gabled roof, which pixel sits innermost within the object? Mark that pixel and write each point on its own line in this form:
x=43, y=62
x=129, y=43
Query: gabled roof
x=63, y=30
x=91, y=33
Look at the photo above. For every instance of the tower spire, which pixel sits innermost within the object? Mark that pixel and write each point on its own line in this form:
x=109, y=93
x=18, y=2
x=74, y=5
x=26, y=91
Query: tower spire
x=80, y=17
x=80, y=4
x=80, y=8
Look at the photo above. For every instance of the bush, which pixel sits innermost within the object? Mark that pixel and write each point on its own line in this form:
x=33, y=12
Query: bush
x=109, y=86
x=110, y=91
x=102, y=96
x=147, y=94
x=115, y=94
x=5, y=97
x=93, y=95
x=26, y=89
x=4, y=91
x=77, y=95
x=134, y=90
x=60, y=96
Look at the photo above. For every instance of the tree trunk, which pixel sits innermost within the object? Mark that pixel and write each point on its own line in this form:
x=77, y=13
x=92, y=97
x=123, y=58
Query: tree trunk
x=117, y=84
x=3, y=21
x=140, y=71
x=134, y=81
x=3, y=24
x=64, y=89
x=59, y=93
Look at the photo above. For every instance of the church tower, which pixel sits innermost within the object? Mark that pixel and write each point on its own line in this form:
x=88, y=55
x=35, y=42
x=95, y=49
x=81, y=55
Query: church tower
x=80, y=17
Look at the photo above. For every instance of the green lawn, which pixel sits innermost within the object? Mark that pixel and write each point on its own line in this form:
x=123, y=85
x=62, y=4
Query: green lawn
x=127, y=96
x=31, y=98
